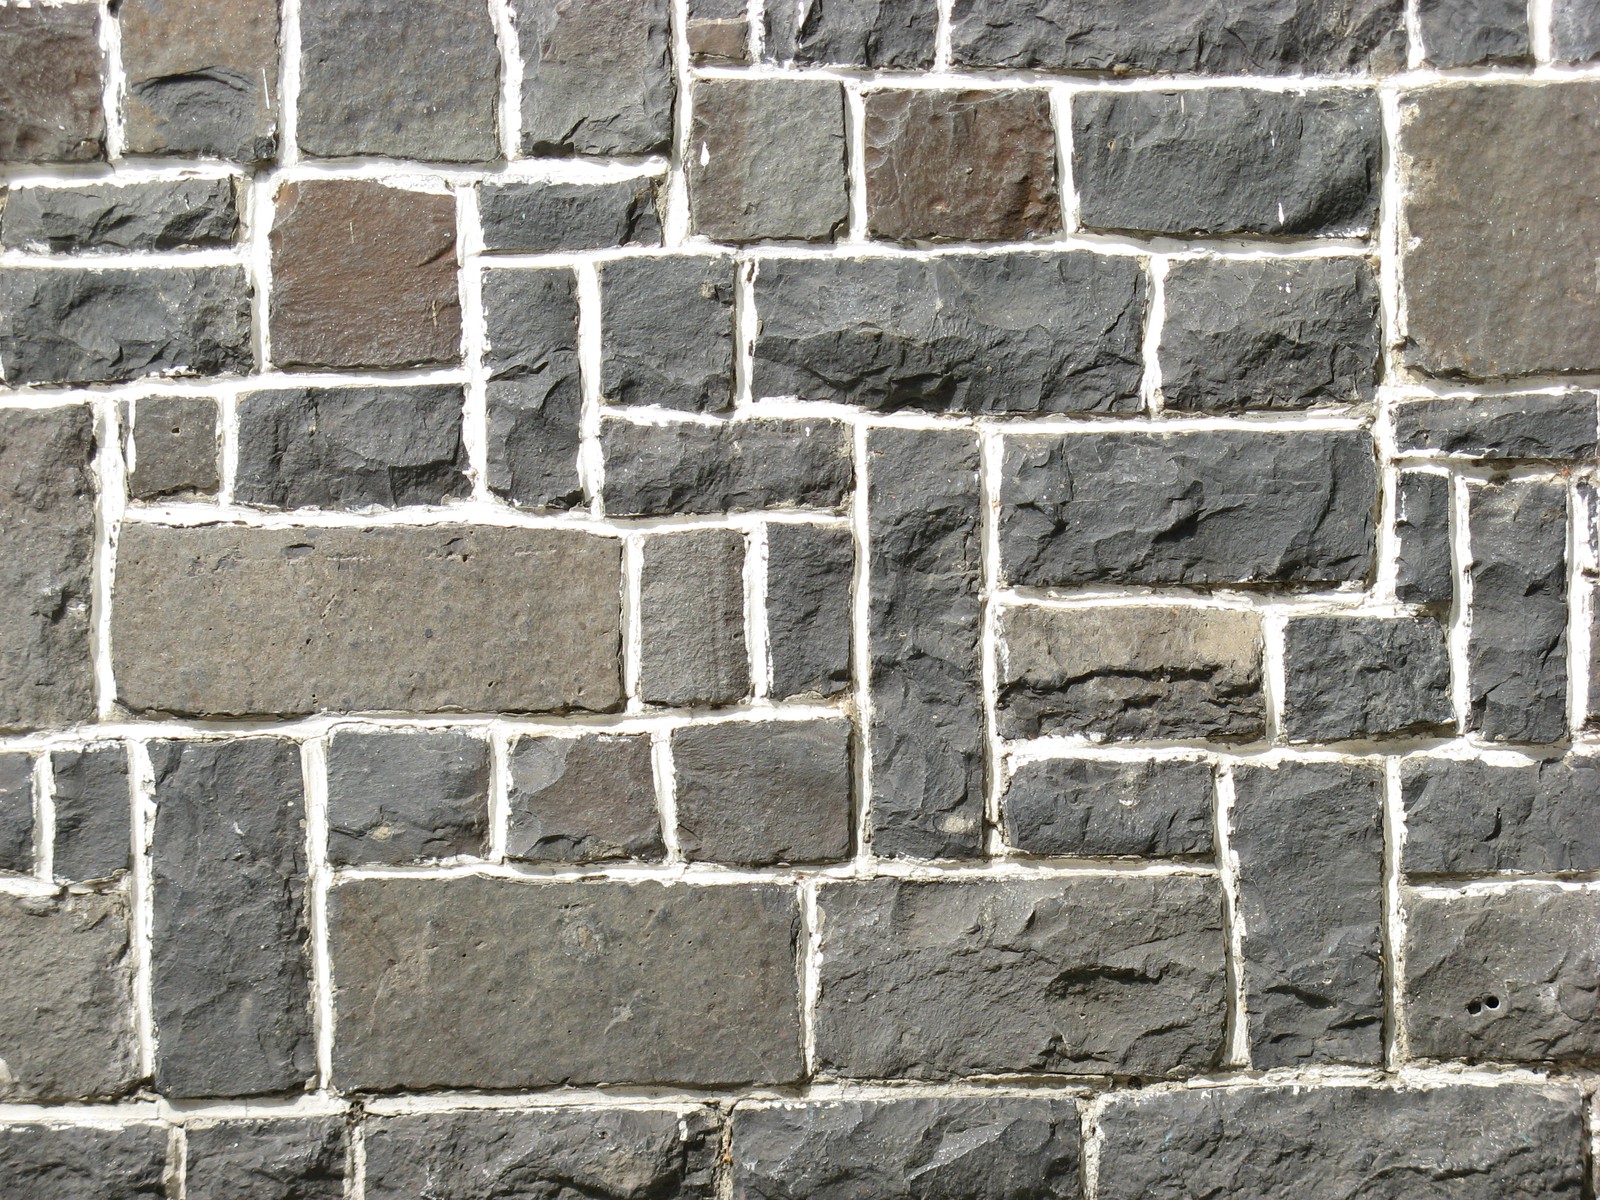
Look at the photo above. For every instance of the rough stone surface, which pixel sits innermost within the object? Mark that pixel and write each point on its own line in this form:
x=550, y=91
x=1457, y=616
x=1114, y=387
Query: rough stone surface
x=535, y=429
x=351, y=447
x=287, y=1158
x=718, y=31
x=1532, y=425
x=1425, y=570
x=855, y=33
x=691, y=615
x=809, y=577
x=1086, y=808
x=667, y=332
x=975, y=1147
x=93, y=807
x=66, y=1012
x=962, y=165
x=993, y=333
x=1308, y=837
x=172, y=447
x=1220, y=37
x=528, y=217
x=1228, y=161
x=602, y=1153
x=202, y=77
x=363, y=275
x=47, y=538
x=1243, y=334
x=1465, y=816
x=1337, y=1143
x=184, y=214
x=1364, y=677
x=643, y=983
x=405, y=78
x=1096, y=975
x=1210, y=507
x=1512, y=977
x=231, y=621
x=754, y=793
x=596, y=76
x=1517, y=651
x=51, y=73
x=16, y=814
x=1470, y=33
x=230, y=974
x=583, y=799
x=1145, y=671
x=397, y=797
x=767, y=160
x=1575, y=31
x=531, y=318
x=1500, y=229
x=737, y=466
x=106, y=325
x=924, y=565
x=73, y=1162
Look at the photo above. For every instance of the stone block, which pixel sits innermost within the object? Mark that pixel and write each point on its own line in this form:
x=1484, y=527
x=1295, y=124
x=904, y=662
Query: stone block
x=1532, y=425
x=52, y=71
x=400, y=797
x=531, y=317
x=1472, y=33
x=94, y=812
x=282, y=1158
x=667, y=332
x=583, y=799
x=810, y=569
x=1091, y=808
x=535, y=428
x=1425, y=568
x=1352, y=678
x=691, y=617
x=16, y=814
x=74, y=1162
x=181, y=214
x=534, y=217
x=856, y=33
x=1575, y=31
x=718, y=31
x=172, y=447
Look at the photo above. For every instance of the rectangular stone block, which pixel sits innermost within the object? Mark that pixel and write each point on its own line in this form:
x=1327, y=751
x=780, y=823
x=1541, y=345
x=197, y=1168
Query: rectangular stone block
x=233, y=621
x=283, y=1158
x=1094, y=975
x=401, y=796
x=718, y=31
x=858, y=33
x=94, y=812
x=535, y=429
x=230, y=968
x=1470, y=33
x=691, y=618
x=1196, y=508
x=582, y=799
x=16, y=813
x=1332, y=1143
x=596, y=982
x=1013, y=333
x=50, y=108
x=181, y=214
x=1575, y=31
x=1308, y=837
x=1356, y=678
x=1131, y=671
x=926, y=740
x=667, y=332
x=72, y=1162
x=810, y=569
x=531, y=319
x=172, y=447
x=1087, y=808
x=1425, y=568
x=535, y=217
x=1532, y=425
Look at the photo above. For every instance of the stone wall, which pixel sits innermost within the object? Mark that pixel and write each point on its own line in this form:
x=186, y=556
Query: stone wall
x=884, y=598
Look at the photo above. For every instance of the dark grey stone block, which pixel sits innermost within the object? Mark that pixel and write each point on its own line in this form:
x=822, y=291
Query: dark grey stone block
x=50, y=108
x=1349, y=678
x=691, y=616
x=530, y=217
x=535, y=429
x=856, y=33
x=16, y=814
x=531, y=315
x=181, y=214
x=1087, y=808
x=94, y=812
x=1425, y=570
x=285, y=1158
x=584, y=799
x=1471, y=33
x=1575, y=31
x=74, y=1162
x=1531, y=425
x=809, y=632
x=397, y=797
x=172, y=447
x=667, y=332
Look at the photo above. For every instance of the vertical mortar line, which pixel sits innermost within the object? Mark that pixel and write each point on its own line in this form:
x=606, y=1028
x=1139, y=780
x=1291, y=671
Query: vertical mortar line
x=1090, y=1110
x=722, y=1171
x=1388, y=544
x=861, y=646
x=746, y=324
x=289, y=83
x=1274, y=678
x=1237, y=1026
x=591, y=456
x=666, y=778
x=1391, y=313
x=1459, y=632
x=1061, y=118
x=227, y=446
x=1154, y=322
x=110, y=506
x=356, y=1183
x=757, y=642
x=810, y=973
x=44, y=817
x=257, y=232
x=1416, y=52
x=1394, y=833
x=755, y=14
x=675, y=223
x=510, y=108
x=855, y=137
x=112, y=97
x=991, y=456
x=1541, y=30
x=499, y=792
x=474, y=338
x=178, y=1161
x=314, y=779
x=943, y=38
x=632, y=624
x=1579, y=608
x=141, y=803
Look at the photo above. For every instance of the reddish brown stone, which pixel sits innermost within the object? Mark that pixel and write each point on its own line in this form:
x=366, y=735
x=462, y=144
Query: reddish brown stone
x=363, y=275
x=967, y=165
x=50, y=75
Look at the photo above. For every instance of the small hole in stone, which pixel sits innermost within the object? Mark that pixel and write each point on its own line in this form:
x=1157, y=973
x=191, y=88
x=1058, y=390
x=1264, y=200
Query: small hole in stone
x=1491, y=1002
x=1474, y=1007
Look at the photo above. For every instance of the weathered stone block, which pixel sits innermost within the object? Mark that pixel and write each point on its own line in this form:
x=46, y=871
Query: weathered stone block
x=1532, y=425
x=1228, y=162
x=363, y=275
x=202, y=77
x=171, y=447
x=755, y=793
x=531, y=317
x=1500, y=229
x=667, y=332
x=735, y=466
x=596, y=76
x=1335, y=1143
x=1244, y=334
x=412, y=79
x=1511, y=976
x=51, y=73
x=962, y=165
x=529, y=217
x=809, y=577
x=397, y=797
x=794, y=188
x=1425, y=569
x=597, y=982
x=1470, y=33
x=351, y=447
x=94, y=812
x=16, y=814
x=231, y=621
x=1098, y=975
x=1575, y=31
x=1308, y=837
x=72, y=1162
x=691, y=616
x=1208, y=507
x=856, y=33
x=976, y=1147
x=925, y=576
x=47, y=540
x=584, y=799
x=286, y=1158
x=535, y=428
x=718, y=31
x=181, y=214
x=1140, y=671
x=106, y=325
x=1015, y=333
x=229, y=968
x=66, y=1012
x=1348, y=678
x=1087, y=808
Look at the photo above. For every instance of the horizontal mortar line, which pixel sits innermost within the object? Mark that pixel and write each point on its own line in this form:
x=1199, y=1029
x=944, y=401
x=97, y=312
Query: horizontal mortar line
x=1171, y=422
x=1426, y=388
x=93, y=260
x=1052, y=747
x=126, y=170
x=20, y=395
x=373, y=168
x=1455, y=881
x=1111, y=243
x=1505, y=884
x=1225, y=597
x=1490, y=467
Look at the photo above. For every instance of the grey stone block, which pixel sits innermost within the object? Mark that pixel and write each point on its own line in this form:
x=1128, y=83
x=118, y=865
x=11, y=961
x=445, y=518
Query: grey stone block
x=531, y=217
x=74, y=1162
x=1348, y=678
x=1531, y=425
x=94, y=812
x=182, y=214
x=535, y=429
x=584, y=799
x=172, y=447
x=1088, y=808
x=809, y=577
x=1425, y=567
x=16, y=814
x=532, y=320
x=284, y=1158
x=667, y=332
x=691, y=616
x=50, y=107
x=1575, y=31
x=1471, y=33
x=856, y=33
x=397, y=797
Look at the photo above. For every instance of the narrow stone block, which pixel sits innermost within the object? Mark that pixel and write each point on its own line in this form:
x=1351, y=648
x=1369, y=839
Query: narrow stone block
x=400, y=797
x=230, y=971
x=810, y=569
x=1086, y=808
x=531, y=317
x=1425, y=571
x=94, y=812
x=71, y=1162
x=718, y=31
x=183, y=214
x=1471, y=33
x=1575, y=31
x=1096, y=975
x=535, y=429
x=691, y=614
x=598, y=982
x=1308, y=837
x=51, y=74
x=528, y=217
x=286, y=1158
x=756, y=793
x=584, y=799
x=171, y=447
x=855, y=33
x=667, y=332
x=1350, y=678
x=16, y=814
x=926, y=741
x=1532, y=425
